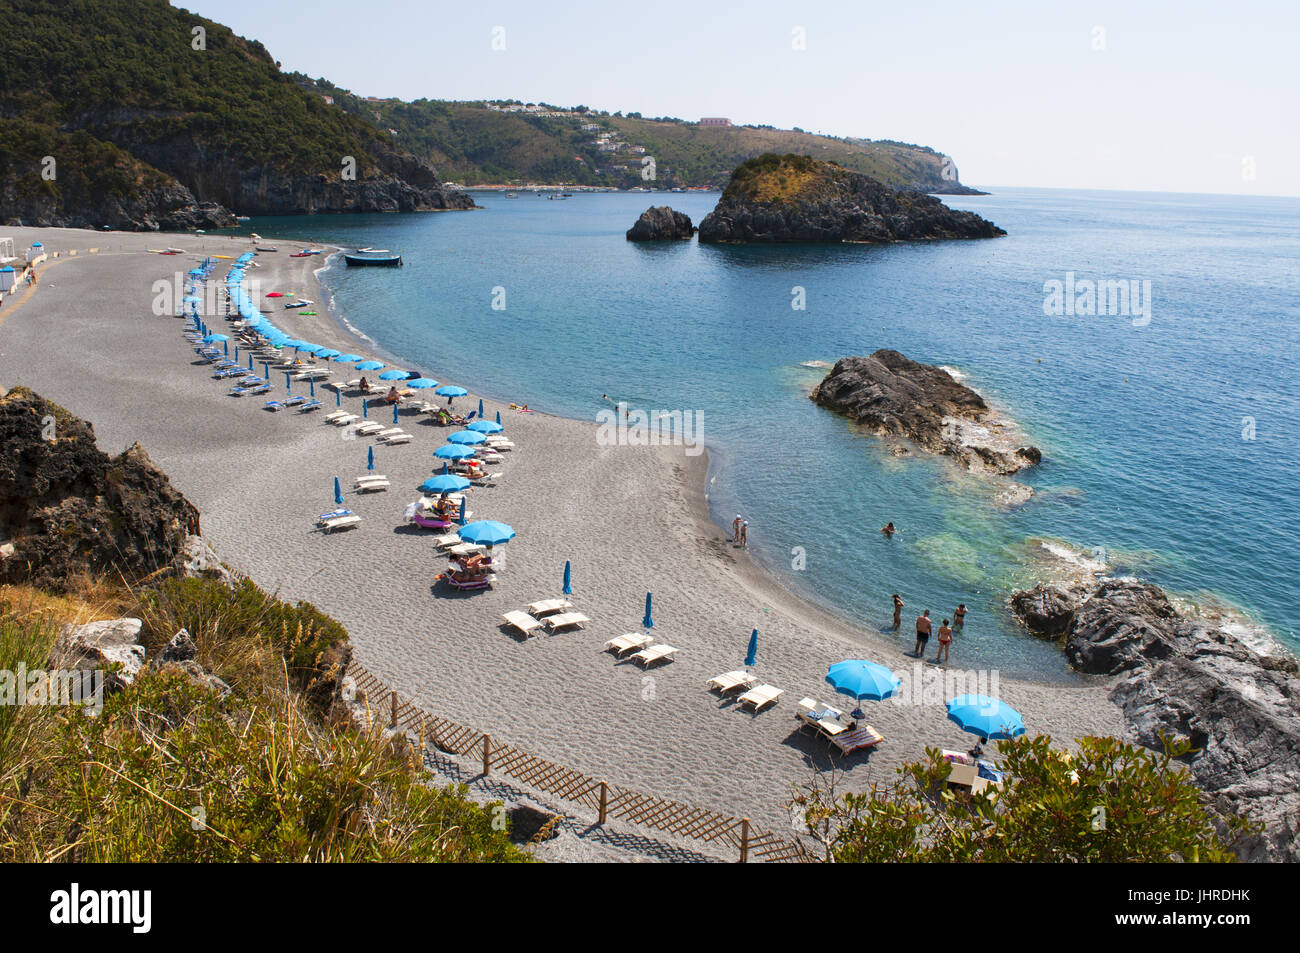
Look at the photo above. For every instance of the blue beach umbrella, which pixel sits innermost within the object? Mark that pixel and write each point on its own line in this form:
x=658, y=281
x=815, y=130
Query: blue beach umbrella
x=486, y=532
x=461, y=519
x=480, y=406
x=484, y=427
x=371, y=366
x=451, y=391
x=468, y=438
x=365, y=408
x=453, y=451
x=421, y=383
x=648, y=622
x=986, y=717
x=391, y=375
x=444, y=483
x=250, y=362
x=859, y=678
x=214, y=338
x=394, y=414
x=568, y=584
x=370, y=458
x=338, y=398
x=287, y=386
x=327, y=353
x=311, y=386
x=225, y=346
x=752, y=653
x=338, y=491
x=266, y=369
x=498, y=416
x=348, y=358
x=236, y=352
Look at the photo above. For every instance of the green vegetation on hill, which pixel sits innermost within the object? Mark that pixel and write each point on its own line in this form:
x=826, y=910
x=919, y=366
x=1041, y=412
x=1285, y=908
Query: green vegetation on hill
x=473, y=144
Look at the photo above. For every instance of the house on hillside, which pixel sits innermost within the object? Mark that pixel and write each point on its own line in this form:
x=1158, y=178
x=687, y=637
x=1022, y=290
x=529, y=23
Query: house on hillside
x=715, y=121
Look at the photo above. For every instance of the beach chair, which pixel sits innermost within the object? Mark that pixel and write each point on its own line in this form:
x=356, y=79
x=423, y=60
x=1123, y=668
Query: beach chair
x=490, y=456
x=238, y=391
x=396, y=439
x=631, y=642
x=447, y=541
x=464, y=549
x=654, y=653
x=732, y=681
x=564, y=620
x=343, y=420
x=337, y=519
x=331, y=417
x=372, y=484
x=369, y=429
x=548, y=606
x=273, y=405
x=390, y=432
x=260, y=389
x=756, y=699
x=499, y=443
x=521, y=621
x=309, y=406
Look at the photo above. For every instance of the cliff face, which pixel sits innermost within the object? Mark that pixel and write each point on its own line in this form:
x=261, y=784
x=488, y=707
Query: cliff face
x=798, y=199
x=1185, y=677
x=66, y=508
x=894, y=396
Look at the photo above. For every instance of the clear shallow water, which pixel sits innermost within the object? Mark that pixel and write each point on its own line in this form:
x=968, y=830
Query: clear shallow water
x=1141, y=427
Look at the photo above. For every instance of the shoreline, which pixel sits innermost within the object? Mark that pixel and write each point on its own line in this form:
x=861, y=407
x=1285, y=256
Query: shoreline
x=630, y=519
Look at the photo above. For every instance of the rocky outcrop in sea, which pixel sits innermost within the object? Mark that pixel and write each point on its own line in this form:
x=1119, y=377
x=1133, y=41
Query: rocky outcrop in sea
x=1189, y=678
x=67, y=508
x=799, y=199
x=659, y=223
x=894, y=396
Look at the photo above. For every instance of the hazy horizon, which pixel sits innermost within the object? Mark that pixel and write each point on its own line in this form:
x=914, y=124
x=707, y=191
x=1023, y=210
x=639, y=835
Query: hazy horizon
x=1182, y=98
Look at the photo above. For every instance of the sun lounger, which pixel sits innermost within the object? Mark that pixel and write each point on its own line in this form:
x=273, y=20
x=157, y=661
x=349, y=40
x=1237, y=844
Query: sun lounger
x=260, y=389
x=273, y=405
x=369, y=429
x=444, y=542
x=564, y=620
x=335, y=415
x=655, y=653
x=548, y=606
x=631, y=642
x=344, y=420
x=732, y=681
x=396, y=439
x=522, y=621
x=372, y=486
x=756, y=699
x=336, y=520
x=309, y=406
x=464, y=549
x=294, y=401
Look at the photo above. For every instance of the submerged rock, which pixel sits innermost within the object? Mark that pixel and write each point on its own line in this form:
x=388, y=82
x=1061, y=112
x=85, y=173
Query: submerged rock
x=894, y=396
x=659, y=223
x=795, y=198
x=1188, y=678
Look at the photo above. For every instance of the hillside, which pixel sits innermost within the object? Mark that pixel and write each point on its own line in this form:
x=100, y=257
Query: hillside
x=477, y=143
x=220, y=121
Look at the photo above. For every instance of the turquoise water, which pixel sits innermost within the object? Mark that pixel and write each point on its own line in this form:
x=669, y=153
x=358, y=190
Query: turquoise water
x=1141, y=426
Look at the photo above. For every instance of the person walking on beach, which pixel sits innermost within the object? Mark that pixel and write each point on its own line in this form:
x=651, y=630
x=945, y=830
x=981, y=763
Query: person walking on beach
x=959, y=616
x=945, y=643
x=898, y=611
x=922, y=633
x=744, y=534
x=735, y=529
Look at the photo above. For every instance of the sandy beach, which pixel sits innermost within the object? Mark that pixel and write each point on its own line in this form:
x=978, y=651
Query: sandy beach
x=629, y=519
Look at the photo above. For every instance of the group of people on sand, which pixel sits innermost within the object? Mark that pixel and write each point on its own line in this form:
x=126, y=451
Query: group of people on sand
x=392, y=397
x=924, y=627
x=740, y=531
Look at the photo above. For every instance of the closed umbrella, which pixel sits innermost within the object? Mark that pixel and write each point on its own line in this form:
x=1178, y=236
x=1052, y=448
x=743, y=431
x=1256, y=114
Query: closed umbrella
x=648, y=622
x=568, y=585
x=338, y=491
x=498, y=416
x=752, y=653
x=370, y=458
x=311, y=386
x=365, y=408
x=480, y=406
x=461, y=518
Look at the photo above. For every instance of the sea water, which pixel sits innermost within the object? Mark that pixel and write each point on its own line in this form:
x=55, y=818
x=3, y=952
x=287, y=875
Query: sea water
x=1168, y=427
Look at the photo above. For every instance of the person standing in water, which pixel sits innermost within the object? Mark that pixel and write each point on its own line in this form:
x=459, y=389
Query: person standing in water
x=735, y=529
x=945, y=642
x=959, y=616
x=744, y=533
x=922, y=633
x=888, y=529
x=898, y=611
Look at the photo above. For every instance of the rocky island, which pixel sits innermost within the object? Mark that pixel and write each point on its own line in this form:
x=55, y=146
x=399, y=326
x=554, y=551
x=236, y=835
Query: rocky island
x=794, y=198
x=894, y=396
x=1186, y=677
x=659, y=223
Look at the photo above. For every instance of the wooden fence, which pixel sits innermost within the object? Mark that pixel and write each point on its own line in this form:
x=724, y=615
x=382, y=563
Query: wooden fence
x=605, y=799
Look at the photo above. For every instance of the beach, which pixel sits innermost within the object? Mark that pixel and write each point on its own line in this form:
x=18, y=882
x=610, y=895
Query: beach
x=629, y=520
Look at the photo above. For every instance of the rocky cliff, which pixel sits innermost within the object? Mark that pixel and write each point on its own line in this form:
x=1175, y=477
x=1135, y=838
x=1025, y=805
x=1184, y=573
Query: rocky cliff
x=892, y=395
x=799, y=199
x=1189, y=678
x=67, y=508
x=659, y=223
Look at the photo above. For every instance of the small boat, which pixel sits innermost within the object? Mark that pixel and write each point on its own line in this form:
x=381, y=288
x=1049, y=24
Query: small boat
x=241, y=218
x=298, y=304
x=264, y=248
x=275, y=294
x=225, y=257
x=301, y=254
x=308, y=314
x=389, y=261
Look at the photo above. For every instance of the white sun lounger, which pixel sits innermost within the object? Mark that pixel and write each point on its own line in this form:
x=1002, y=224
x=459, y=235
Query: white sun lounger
x=345, y=420
x=393, y=439
x=547, y=606
x=336, y=415
x=371, y=428
x=655, y=653
x=759, y=698
x=372, y=486
x=732, y=681
x=632, y=642
x=464, y=549
x=339, y=522
x=564, y=620
x=447, y=541
x=499, y=443
x=522, y=621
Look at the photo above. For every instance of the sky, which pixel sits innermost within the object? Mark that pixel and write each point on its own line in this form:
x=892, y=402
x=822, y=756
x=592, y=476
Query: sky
x=1166, y=96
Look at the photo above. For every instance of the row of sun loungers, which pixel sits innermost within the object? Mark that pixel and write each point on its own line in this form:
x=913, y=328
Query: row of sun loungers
x=527, y=623
x=753, y=696
x=640, y=648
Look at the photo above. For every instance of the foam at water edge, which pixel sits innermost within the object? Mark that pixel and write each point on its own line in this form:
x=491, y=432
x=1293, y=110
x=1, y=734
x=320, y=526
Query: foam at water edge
x=953, y=373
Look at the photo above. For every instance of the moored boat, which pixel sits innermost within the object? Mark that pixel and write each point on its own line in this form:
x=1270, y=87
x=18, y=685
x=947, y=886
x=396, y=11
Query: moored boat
x=376, y=261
